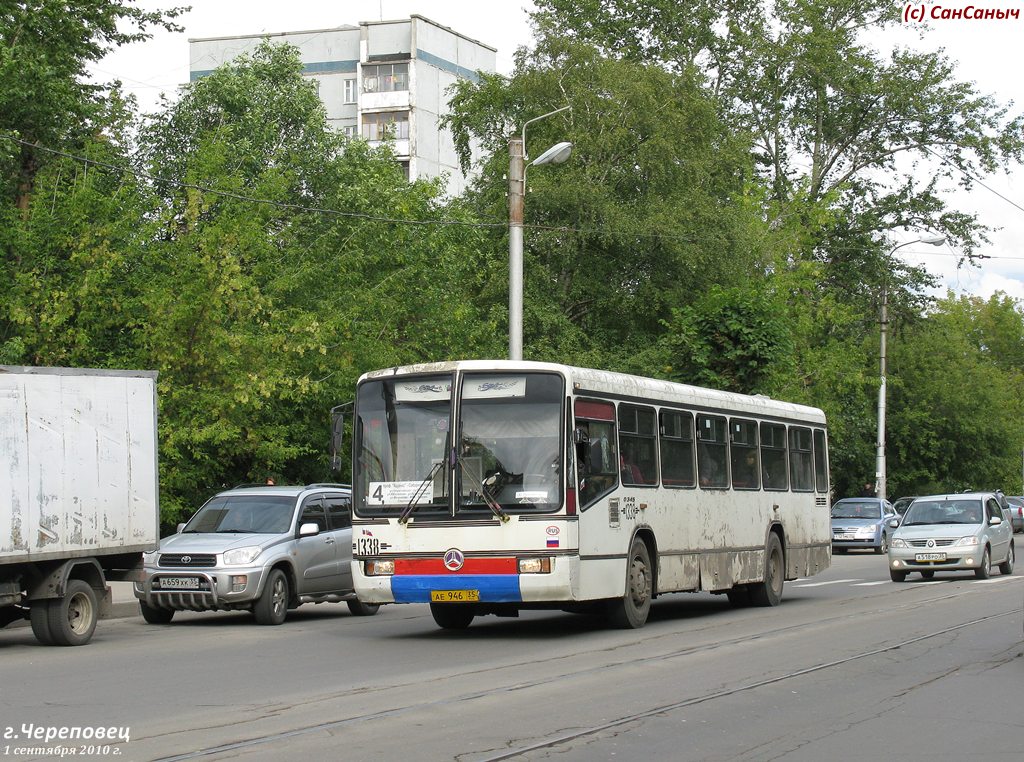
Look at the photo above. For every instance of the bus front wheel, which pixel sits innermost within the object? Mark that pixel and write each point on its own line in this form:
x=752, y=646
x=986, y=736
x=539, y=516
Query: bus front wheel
x=769, y=591
x=452, y=616
x=630, y=612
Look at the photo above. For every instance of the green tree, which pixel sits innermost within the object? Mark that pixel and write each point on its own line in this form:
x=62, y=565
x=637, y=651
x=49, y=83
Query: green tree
x=46, y=96
x=284, y=260
x=829, y=114
x=955, y=404
x=654, y=206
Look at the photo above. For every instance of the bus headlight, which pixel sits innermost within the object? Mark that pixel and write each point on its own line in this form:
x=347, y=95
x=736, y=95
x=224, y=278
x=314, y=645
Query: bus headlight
x=535, y=565
x=379, y=568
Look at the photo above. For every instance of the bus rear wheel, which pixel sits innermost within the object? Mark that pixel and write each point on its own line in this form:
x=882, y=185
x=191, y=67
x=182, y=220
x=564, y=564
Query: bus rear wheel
x=769, y=591
x=452, y=616
x=630, y=612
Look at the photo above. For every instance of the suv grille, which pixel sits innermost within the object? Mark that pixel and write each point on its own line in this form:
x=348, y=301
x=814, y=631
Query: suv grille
x=188, y=560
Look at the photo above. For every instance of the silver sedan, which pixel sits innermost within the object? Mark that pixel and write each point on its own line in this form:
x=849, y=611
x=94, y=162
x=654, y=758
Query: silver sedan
x=966, y=532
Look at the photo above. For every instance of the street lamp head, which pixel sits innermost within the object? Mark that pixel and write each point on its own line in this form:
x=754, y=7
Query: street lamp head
x=934, y=240
x=554, y=155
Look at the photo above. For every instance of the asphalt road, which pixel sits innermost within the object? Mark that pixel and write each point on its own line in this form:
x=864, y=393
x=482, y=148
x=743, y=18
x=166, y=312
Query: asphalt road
x=850, y=666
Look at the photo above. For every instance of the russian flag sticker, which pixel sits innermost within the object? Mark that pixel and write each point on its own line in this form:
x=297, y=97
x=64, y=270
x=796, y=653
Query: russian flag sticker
x=552, y=542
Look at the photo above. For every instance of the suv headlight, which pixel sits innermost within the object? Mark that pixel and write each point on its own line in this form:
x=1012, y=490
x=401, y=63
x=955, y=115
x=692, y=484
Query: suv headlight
x=241, y=556
x=972, y=540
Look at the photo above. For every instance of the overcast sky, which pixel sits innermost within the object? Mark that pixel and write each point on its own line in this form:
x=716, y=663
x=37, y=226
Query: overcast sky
x=987, y=53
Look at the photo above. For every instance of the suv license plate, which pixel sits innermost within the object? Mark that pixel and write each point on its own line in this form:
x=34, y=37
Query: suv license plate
x=179, y=583
x=930, y=557
x=454, y=596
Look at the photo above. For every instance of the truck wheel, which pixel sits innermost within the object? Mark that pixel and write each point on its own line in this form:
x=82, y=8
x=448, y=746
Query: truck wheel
x=358, y=608
x=769, y=591
x=39, y=614
x=72, y=618
x=630, y=612
x=155, y=614
x=272, y=606
x=452, y=616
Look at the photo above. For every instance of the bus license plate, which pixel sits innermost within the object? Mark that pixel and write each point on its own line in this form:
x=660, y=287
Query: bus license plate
x=930, y=557
x=454, y=596
x=179, y=583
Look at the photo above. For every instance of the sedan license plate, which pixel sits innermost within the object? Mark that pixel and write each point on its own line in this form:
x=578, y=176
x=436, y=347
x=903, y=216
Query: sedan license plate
x=844, y=536
x=179, y=583
x=454, y=596
x=930, y=557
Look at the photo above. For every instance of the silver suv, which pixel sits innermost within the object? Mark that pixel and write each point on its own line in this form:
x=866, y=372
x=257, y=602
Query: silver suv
x=262, y=549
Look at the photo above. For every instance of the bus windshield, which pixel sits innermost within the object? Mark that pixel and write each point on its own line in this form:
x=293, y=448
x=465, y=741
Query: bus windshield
x=402, y=432
x=510, y=441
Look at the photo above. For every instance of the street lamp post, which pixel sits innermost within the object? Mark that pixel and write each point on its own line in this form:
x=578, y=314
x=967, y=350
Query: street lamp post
x=880, y=485
x=517, y=164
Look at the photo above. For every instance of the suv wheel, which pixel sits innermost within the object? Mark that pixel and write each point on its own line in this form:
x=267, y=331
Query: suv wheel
x=358, y=608
x=272, y=606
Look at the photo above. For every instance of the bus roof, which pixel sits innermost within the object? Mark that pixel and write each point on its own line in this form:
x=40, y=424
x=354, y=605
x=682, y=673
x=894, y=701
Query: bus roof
x=622, y=385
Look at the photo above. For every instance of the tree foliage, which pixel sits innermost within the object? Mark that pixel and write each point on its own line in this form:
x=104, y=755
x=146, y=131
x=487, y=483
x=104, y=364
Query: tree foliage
x=653, y=207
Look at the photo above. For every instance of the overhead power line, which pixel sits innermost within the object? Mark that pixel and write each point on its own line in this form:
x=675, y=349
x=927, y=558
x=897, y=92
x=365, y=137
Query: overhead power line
x=156, y=179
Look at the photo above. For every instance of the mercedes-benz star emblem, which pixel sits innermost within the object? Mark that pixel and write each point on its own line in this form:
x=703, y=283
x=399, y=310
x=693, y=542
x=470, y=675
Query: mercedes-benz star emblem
x=453, y=559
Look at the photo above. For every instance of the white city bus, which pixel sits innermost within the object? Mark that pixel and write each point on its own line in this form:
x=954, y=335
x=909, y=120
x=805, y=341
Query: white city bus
x=487, y=487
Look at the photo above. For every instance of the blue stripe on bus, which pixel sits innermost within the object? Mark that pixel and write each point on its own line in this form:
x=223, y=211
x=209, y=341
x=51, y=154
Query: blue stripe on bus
x=494, y=588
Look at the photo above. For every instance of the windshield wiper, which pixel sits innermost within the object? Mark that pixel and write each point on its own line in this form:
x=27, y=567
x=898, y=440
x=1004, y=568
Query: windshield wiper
x=489, y=501
x=413, y=503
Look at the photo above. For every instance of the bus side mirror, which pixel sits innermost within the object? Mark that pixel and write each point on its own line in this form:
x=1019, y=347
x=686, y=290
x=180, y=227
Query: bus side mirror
x=337, y=435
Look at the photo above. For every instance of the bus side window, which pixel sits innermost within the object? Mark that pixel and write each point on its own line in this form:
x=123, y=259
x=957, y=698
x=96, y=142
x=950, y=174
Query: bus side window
x=712, y=452
x=596, y=453
x=820, y=461
x=677, y=449
x=774, y=471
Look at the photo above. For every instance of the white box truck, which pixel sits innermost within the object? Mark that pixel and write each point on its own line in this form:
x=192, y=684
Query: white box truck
x=78, y=493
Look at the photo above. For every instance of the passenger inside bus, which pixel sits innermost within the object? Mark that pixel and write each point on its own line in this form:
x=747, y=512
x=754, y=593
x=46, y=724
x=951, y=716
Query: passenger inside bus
x=630, y=471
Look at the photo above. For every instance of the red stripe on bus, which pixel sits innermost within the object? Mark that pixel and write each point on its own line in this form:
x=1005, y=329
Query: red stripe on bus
x=598, y=411
x=471, y=566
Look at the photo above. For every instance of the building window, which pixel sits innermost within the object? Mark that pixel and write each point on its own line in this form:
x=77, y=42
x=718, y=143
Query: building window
x=385, y=78
x=387, y=124
x=349, y=131
x=350, y=91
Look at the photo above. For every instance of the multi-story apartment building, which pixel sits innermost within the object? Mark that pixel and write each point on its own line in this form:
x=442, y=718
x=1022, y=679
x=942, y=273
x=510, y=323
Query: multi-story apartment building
x=378, y=79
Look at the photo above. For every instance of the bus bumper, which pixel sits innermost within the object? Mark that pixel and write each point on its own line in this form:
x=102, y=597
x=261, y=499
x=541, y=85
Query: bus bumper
x=556, y=585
